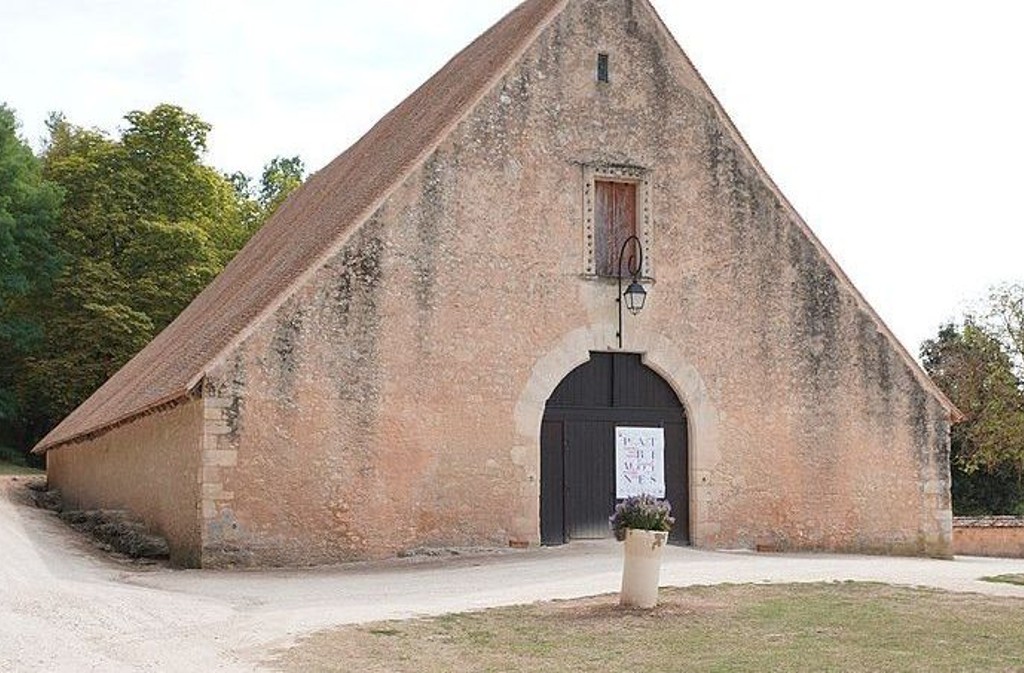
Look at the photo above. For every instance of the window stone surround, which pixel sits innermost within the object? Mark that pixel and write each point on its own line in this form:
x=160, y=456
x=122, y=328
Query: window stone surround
x=637, y=175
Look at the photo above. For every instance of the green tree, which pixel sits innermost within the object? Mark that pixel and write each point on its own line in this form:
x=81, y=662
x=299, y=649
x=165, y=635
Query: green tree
x=28, y=260
x=145, y=226
x=975, y=369
x=281, y=176
x=92, y=331
x=1005, y=318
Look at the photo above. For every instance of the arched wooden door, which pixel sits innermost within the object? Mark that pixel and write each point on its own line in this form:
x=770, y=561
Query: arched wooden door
x=578, y=445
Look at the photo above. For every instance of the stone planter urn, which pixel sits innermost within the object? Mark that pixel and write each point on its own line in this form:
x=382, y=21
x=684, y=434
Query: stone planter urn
x=642, y=522
x=641, y=568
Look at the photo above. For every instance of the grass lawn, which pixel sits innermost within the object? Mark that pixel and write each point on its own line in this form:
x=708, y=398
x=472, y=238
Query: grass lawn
x=1006, y=579
x=8, y=469
x=13, y=463
x=817, y=627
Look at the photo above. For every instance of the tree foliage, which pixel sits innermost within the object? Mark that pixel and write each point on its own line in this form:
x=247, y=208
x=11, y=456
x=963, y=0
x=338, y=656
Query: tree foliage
x=976, y=365
x=145, y=225
x=281, y=176
x=28, y=259
x=1005, y=318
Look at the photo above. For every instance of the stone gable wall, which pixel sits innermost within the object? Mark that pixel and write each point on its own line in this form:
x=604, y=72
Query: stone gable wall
x=394, y=401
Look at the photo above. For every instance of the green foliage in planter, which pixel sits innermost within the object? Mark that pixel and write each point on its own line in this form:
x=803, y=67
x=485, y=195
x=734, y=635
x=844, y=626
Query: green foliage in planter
x=642, y=512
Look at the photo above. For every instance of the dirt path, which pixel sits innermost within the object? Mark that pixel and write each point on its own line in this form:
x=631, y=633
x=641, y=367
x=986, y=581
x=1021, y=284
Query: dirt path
x=63, y=607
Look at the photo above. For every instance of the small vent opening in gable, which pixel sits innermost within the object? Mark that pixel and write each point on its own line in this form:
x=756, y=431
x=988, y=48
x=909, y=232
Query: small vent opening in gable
x=602, y=67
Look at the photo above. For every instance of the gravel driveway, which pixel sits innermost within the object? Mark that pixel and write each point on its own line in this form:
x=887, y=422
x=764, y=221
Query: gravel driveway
x=64, y=607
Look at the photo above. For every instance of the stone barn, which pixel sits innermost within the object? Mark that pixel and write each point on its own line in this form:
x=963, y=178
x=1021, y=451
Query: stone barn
x=426, y=347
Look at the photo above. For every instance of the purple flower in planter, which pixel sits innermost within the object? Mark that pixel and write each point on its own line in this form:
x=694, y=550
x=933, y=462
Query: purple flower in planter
x=644, y=512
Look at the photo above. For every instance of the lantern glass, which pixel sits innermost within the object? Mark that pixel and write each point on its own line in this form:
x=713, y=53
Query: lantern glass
x=635, y=296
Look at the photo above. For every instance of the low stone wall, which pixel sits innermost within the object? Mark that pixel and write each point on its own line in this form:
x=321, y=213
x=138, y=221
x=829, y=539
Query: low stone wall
x=149, y=467
x=989, y=536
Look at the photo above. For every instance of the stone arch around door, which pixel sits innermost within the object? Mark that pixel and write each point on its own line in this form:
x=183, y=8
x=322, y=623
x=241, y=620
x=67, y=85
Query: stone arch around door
x=660, y=354
x=578, y=480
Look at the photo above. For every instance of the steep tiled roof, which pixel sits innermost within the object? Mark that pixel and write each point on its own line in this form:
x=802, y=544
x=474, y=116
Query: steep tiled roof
x=304, y=231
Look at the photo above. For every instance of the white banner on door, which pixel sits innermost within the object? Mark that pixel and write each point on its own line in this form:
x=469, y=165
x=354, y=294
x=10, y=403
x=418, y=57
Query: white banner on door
x=639, y=462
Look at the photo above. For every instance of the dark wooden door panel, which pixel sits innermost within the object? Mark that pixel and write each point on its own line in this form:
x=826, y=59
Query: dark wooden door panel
x=552, y=491
x=677, y=487
x=590, y=494
x=636, y=386
x=587, y=386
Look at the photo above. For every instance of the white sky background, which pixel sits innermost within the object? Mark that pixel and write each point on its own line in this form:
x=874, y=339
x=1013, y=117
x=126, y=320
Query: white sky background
x=893, y=126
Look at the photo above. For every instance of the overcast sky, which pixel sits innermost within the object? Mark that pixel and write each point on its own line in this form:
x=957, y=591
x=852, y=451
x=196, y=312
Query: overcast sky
x=893, y=126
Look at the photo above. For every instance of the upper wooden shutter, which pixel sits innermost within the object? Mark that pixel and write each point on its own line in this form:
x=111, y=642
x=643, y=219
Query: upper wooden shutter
x=614, y=222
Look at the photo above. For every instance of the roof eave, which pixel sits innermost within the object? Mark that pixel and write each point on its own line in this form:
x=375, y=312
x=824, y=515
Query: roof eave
x=164, y=404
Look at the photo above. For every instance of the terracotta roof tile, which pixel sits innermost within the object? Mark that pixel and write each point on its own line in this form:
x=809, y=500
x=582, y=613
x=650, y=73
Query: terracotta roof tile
x=304, y=231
